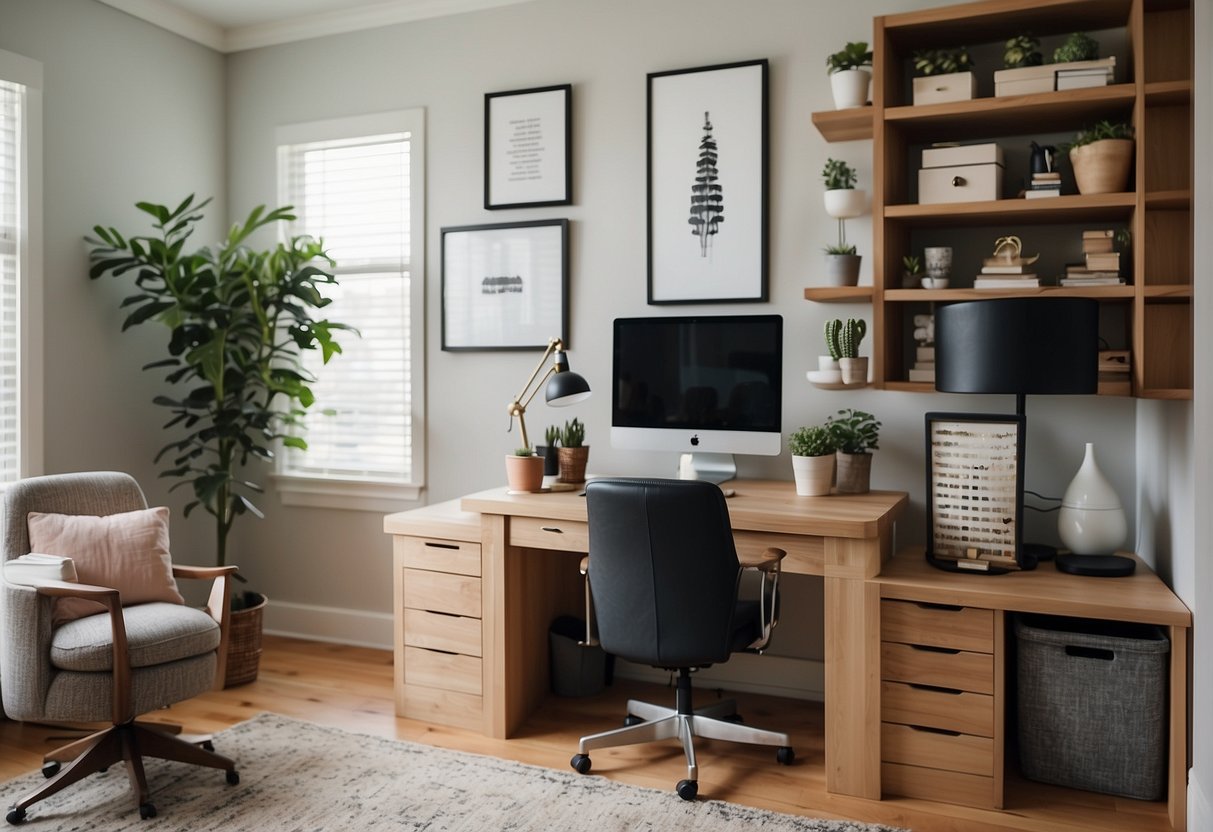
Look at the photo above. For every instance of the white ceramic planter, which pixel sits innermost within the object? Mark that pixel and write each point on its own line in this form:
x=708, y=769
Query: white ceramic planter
x=814, y=474
x=854, y=370
x=845, y=203
x=842, y=269
x=850, y=88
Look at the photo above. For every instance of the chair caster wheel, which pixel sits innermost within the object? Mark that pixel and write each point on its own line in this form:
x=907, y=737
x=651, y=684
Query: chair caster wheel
x=206, y=745
x=581, y=763
x=15, y=816
x=233, y=778
x=50, y=768
x=629, y=721
x=147, y=810
x=785, y=755
x=687, y=789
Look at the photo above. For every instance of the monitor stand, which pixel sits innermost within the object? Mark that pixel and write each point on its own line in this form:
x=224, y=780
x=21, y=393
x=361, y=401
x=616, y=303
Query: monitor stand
x=715, y=468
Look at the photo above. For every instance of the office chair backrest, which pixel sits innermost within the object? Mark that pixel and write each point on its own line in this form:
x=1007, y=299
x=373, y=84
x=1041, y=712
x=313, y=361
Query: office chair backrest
x=663, y=570
x=94, y=493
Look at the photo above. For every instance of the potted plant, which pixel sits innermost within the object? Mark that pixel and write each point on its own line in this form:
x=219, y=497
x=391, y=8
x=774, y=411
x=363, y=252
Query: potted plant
x=1102, y=157
x=551, y=463
x=239, y=320
x=855, y=435
x=842, y=340
x=943, y=75
x=912, y=271
x=812, y=451
x=573, y=452
x=1022, y=50
x=524, y=471
x=1079, y=46
x=850, y=75
x=842, y=200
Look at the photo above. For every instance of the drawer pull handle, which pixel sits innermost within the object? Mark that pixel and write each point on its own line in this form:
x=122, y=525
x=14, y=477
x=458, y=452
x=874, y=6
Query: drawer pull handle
x=553, y=529
x=936, y=689
x=1089, y=653
x=926, y=605
x=930, y=648
x=432, y=545
x=958, y=181
x=926, y=729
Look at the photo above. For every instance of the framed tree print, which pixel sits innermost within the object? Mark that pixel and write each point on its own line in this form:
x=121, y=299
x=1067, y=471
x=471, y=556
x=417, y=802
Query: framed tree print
x=707, y=184
x=528, y=147
x=505, y=286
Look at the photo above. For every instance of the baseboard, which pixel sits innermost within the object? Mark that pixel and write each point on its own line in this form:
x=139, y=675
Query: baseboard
x=748, y=673
x=1200, y=805
x=358, y=628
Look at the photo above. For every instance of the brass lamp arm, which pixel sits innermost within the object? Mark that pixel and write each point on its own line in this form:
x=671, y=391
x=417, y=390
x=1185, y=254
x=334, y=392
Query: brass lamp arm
x=518, y=406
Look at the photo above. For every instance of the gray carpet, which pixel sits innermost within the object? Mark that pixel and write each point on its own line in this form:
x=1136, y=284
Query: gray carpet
x=300, y=777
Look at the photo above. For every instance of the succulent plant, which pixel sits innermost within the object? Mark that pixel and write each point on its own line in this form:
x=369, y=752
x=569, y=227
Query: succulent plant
x=551, y=435
x=523, y=452
x=573, y=434
x=843, y=340
x=811, y=441
x=912, y=263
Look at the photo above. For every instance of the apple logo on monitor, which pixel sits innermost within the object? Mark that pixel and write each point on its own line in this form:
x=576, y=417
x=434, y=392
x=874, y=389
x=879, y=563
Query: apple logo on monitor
x=695, y=439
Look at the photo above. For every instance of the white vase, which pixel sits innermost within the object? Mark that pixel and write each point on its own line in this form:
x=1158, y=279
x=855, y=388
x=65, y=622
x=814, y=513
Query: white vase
x=1092, y=519
x=814, y=474
x=845, y=203
x=850, y=88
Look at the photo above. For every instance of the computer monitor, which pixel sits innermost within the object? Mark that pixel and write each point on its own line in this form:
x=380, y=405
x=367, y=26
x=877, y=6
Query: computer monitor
x=710, y=386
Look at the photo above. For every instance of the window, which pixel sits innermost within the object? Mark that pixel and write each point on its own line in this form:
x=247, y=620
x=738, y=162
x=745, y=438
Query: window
x=20, y=267
x=358, y=184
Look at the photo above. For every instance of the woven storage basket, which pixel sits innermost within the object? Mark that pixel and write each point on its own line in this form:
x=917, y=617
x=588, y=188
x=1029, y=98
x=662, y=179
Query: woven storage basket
x=572, y=463
x=1093, y=704
x=244, y=645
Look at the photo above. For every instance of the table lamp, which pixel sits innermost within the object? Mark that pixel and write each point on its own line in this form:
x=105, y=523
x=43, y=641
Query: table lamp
x=564, y=387
x=1022, y=346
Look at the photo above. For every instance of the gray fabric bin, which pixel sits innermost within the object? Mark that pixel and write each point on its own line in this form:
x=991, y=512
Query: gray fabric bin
x=577, y=669
x=1093, y=704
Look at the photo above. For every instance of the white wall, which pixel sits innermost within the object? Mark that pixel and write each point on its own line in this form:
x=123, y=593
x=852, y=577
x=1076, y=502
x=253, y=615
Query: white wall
x=131, y=113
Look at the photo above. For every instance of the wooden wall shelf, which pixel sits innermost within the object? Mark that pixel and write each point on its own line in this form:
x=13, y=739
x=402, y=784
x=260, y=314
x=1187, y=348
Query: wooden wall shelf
x=850, y=125
x=838, y=294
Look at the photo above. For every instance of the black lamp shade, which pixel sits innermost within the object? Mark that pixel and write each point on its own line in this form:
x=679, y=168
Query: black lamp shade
x=1045, y=346
x=565, y=387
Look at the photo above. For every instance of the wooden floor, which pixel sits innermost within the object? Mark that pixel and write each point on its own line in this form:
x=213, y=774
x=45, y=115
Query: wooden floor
x=351, y=688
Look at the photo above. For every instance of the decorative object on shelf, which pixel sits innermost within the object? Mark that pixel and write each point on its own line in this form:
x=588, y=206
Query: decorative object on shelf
x=855, y=435
x=938, y=265
x=504, y=286
x=850, y=72
x=842, y=340
x=1101, y=261
x=524, y=471
x=1092, y=523
x=924, y=349
x=812, y=450
x=562, y=387
x=528, y=147
x=943, y=75
x=1079, y=46
x=1102, y=157
x=842, y=199
x=551, y=435
x=1030, y=80
x=828, y=371
x=1045, y=180
x=573, y=453
x=707, y=234
x=912, y=271
x=1035, y=345
x=960, y=173
x=1007, y=268
x=1022, y=50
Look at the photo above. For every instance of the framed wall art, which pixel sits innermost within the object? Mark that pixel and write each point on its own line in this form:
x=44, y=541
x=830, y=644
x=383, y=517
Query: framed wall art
x=707, y=184
x=528, y=147
x=505, y=286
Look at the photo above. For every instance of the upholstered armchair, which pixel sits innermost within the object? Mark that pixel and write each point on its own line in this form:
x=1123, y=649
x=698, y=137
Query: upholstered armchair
x=136, y=650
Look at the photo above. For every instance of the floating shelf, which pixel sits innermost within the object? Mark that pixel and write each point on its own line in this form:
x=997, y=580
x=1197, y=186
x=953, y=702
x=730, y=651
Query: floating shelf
x=839, y=294
x=854, y=124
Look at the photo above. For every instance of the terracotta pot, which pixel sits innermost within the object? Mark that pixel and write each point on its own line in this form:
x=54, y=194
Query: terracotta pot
x=854, y=370
x=814, y=474
x=524, y=473
x=854, y=473
x=842, y=269
x=1102, y=167
x=850, y=88
x=572, y=463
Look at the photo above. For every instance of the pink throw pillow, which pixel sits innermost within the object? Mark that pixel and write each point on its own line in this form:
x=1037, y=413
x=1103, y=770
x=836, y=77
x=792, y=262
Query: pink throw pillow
x=127, y=552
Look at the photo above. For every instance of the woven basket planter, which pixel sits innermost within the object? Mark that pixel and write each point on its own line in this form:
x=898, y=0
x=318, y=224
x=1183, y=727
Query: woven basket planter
x=572, y=463
x=244, y=645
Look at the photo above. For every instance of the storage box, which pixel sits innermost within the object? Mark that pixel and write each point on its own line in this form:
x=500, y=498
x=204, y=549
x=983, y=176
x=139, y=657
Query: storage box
x=1093, y=704
x=1026, y=80
x=960, y=173
x=938, y=89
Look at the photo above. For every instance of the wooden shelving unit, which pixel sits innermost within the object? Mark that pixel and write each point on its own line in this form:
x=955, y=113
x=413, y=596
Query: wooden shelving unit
x=1154, y=91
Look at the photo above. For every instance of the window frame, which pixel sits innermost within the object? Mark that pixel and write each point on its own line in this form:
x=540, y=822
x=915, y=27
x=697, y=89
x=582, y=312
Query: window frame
x=355, y=493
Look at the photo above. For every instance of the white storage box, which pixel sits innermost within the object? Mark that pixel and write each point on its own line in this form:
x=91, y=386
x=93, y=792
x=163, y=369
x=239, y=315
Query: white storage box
x=960, y=173
x=938, y=89
x=1033, y=79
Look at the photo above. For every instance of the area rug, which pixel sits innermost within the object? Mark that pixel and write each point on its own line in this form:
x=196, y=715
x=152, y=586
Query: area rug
x=300, y=777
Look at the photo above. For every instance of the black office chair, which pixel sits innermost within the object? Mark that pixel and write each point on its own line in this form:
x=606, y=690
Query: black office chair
x=664, y=577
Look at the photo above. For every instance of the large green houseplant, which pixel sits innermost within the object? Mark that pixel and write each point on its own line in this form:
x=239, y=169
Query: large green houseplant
x=239, y=320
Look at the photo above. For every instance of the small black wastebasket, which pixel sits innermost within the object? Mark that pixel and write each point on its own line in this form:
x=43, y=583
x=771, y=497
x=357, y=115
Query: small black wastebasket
x=577, y=669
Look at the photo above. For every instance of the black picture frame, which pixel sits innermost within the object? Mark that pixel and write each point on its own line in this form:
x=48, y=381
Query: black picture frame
x=708, y=128
x=528, y=147
x=505, y=286
x=975, y=464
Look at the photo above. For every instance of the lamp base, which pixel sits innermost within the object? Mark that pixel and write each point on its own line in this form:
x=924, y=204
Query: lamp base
x=1101, y=566
x=1037, y=552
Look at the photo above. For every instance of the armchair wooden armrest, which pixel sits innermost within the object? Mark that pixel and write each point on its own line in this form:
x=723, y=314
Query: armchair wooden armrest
x=218, y=606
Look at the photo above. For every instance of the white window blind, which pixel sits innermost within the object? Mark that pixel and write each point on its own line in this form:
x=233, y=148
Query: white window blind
x=357, y=193
x=11, y=130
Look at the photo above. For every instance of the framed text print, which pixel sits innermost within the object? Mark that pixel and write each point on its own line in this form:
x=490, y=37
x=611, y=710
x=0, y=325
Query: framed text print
x=528, y=148
x=707, y=175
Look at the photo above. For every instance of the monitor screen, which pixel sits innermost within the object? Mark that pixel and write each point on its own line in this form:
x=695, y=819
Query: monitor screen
x=706, y=384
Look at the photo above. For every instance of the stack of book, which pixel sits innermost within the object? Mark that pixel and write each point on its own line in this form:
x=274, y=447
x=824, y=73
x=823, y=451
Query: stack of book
x=1004, y=273
x=1043, y=185
x=1101, y=265
x=924, y=365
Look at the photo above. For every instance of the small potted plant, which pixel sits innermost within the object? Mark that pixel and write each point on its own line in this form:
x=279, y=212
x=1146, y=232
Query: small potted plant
x=842, y=199
x=551, y=464
x=1102, y=157
x=912, y=271
x=524, y=471
x=812, y=451
x=1079, y=46
x=943, y=75
x=1022, y=50
x=850, y=75
x=842, y=340
x=573, y=453
x=855, y=435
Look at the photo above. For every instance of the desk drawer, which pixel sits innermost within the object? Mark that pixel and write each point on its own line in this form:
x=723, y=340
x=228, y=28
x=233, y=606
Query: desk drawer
x=440, y=592
x=445, y=707
x=951, y=710
x=456, y=556
x=916, y=746
x=936, y=625
x=936, y=784
x=448, y=671
x=806, y=555
x=537, y=533
x=435, y=631
x=973, y=672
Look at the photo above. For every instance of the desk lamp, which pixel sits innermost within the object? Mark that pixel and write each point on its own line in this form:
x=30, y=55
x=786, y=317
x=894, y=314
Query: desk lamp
x=1033, y=345
x=564, y=387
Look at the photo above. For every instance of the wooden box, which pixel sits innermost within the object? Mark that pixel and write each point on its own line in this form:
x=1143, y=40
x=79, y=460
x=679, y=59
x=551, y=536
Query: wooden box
x=938, y=89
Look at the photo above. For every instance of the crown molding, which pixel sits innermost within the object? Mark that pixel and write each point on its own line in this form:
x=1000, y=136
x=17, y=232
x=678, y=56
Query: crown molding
x=235, y=39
